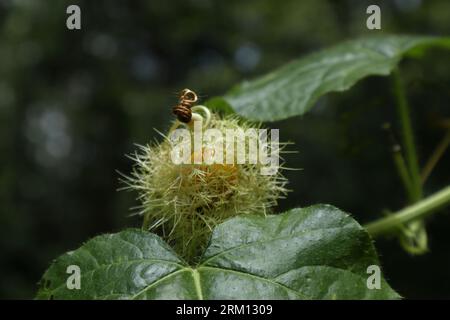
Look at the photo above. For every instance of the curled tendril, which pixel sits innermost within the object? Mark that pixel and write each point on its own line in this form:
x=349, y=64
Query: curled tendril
x=196, y=116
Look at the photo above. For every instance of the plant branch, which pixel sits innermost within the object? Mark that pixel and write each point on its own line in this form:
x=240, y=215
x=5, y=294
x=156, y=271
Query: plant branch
x=416, y=211
x=434, y=158
x=399, y=162
x=403, y=111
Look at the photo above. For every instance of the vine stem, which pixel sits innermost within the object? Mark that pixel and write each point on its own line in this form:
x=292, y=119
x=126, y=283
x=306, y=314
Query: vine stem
x=437, y=154
x=399, y=162
x=403, y=111
x=419, y=210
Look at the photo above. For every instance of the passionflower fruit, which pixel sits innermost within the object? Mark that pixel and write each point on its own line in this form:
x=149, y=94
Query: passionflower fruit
x=184, y=201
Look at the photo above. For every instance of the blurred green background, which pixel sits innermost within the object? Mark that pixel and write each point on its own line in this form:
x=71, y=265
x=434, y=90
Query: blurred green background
x=73, y=103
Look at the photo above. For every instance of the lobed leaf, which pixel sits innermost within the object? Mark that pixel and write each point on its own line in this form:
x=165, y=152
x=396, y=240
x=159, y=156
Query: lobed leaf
x=317, y=252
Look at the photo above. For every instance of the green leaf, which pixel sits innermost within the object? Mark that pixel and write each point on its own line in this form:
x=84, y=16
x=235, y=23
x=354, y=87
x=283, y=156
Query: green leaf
x=294, y=88
x=219, y=104
x=317, y=252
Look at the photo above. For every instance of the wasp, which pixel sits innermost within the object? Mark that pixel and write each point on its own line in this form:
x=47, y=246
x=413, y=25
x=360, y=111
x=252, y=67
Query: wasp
x=185, y=102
